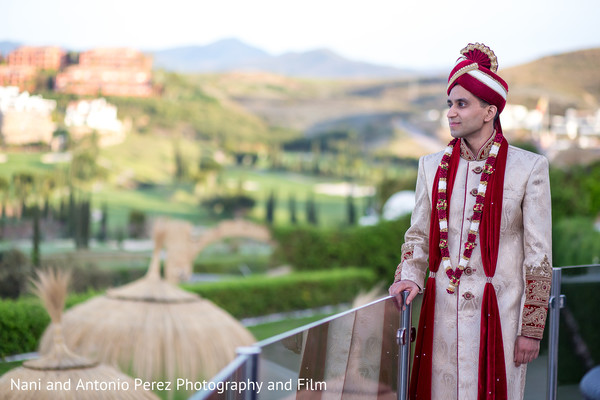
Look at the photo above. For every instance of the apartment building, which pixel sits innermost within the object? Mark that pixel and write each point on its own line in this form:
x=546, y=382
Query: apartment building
x=45, y=58
x=21, y=76
x=108, y=72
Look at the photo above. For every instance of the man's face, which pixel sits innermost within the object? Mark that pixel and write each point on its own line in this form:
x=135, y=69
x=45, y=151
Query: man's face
x=466, y=116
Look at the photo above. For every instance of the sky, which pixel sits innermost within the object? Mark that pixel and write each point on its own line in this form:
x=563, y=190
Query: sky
x=415, y=34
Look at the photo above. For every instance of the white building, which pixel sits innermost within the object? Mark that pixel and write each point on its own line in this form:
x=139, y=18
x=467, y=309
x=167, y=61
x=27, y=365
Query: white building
x=83, y=117
x=25, y=118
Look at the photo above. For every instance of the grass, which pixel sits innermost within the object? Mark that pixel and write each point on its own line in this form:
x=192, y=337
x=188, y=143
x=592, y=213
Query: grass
x=270, y=329
x=7, y=366
x=140, y=176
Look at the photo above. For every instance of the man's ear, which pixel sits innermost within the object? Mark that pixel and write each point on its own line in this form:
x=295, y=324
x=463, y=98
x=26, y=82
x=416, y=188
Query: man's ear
x=491, y=113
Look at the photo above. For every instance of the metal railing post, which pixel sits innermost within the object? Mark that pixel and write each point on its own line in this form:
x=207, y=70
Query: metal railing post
x=555, y=303
x=251, y=369
x=404, y=338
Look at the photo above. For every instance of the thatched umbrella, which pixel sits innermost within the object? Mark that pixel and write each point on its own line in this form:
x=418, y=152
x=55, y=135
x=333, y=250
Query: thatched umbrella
x=182, y=248
x=61, y=374
x=154, y=330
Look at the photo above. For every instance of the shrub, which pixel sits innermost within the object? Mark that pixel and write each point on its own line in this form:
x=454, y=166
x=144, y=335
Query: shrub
x=137, y=224
x=374, y=247
x=575, y=242
x=229, y=205
x=253, y=296
x=22, y=322
x=15, y=271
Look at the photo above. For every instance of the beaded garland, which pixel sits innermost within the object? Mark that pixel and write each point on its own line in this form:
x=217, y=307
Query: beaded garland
x=442, y=207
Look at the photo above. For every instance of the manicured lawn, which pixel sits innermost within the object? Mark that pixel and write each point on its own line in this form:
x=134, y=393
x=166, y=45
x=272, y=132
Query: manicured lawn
x=5, y=367
x=270, y=329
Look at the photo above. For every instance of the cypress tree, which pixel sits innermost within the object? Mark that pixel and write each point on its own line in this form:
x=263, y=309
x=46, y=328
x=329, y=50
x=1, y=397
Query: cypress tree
x=351, y=210
x=311, y=211
x=103, y=232
x=270, y=214
x=292, y=209
x=71, y=216
x=35, y=250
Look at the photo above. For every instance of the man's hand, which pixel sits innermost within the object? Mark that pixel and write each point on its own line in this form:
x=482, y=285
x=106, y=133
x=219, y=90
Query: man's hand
x=526, y=350
x=398, y=287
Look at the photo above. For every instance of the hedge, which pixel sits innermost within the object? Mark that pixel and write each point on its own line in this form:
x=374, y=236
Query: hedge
x=252, y=296
x=375, y=247
x=23, y=321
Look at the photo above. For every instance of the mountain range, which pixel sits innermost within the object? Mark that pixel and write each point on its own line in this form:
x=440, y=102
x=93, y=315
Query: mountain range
x=233, y=54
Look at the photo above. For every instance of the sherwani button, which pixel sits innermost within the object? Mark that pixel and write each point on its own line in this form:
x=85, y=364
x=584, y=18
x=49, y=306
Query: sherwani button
x=468, y=296
x=474, y=192
x=468, y=271
x=478, y=170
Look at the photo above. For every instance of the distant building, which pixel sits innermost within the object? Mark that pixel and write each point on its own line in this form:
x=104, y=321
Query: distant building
x=21, y=76
x=83, y=117
x=25, y=119
x=108, y=72
x=45, y=58
x=575, y=128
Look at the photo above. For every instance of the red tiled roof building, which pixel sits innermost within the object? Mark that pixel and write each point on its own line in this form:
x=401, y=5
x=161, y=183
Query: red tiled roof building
x=46, y=57
x=108, y=72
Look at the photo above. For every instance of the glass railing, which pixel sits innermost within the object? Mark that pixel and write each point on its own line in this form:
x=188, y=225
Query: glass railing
x=359, y=354
x=352, y=355
x=578, y=344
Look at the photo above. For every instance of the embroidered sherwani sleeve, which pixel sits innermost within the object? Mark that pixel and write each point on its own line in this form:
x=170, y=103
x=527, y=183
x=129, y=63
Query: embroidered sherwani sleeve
x=537, y=264
x=415, y=250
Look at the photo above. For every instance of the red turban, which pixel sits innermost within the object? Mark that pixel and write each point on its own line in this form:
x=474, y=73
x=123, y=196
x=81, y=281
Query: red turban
x=476, y=72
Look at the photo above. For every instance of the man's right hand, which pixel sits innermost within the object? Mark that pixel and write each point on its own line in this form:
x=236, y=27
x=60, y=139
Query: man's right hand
x=398, y=287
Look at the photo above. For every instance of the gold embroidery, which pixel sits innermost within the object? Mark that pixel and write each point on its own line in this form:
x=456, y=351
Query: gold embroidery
x=483, y=154
x=407, y=254
x=484, y=49
x=537, y=294
x=461, y=72
x=398, y=273
x=543, y=270
x=407, y=251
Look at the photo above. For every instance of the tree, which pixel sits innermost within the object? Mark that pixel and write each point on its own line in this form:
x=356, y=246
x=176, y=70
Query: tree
x=180, y=164
x=311, y=210
x=82, y=214
x=103, y=231
x=292, y=209
x=4, y=189
x=270, y=212
x=35, y=249
x=15, y=272
x=350, y=210
x=23, y=183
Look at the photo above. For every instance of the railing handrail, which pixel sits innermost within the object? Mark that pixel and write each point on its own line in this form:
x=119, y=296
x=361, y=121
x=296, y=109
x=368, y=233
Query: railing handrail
x=225, y=373
x=578, y=266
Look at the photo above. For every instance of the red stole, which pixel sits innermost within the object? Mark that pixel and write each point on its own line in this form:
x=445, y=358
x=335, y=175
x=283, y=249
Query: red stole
x=492, y=372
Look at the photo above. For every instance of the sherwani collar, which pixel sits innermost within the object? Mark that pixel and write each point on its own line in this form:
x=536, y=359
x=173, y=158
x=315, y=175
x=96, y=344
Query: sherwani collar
x=482, y=154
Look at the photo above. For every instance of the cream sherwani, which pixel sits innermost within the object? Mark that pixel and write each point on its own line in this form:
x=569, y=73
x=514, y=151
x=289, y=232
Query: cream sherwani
x=523, y=273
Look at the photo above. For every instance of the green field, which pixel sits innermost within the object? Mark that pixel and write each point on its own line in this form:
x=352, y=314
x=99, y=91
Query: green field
x=143, y=181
